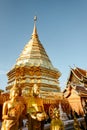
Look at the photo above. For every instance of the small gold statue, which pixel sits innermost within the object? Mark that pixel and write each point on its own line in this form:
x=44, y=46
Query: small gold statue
x=36, y=111
x=56, y=122
x=12, y=110
x=76, y=124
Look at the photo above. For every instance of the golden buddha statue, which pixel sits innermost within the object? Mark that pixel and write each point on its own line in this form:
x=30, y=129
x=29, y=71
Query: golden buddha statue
x=76, y=124
x=56, y=122
x=35, y=109
x=12, y=110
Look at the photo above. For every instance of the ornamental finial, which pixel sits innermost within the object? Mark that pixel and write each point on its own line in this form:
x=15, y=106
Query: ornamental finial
x=35, y=18
x=34, y=34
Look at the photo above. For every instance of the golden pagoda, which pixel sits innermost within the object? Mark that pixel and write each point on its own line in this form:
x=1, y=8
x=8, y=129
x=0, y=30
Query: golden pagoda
x=34, y=66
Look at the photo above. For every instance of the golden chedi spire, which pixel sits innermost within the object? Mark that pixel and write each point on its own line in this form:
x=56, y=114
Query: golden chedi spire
x=34, y=66
x=34, y=34
x=34, y=53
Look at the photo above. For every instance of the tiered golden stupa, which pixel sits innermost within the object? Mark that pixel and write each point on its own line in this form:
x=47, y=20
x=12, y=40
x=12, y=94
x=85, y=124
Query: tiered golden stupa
x=34, y=66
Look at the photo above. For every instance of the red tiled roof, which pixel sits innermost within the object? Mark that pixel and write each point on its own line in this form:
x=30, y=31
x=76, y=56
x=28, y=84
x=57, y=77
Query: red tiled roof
x=81, y=71
x=76, y=73
x=80, y=74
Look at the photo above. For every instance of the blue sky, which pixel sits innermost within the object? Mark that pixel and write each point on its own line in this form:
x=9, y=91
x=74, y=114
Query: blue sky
x=61, y=26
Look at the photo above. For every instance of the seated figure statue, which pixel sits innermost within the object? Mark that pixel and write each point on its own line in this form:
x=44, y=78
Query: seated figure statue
x=56, y=122
x=76, y=124
x=12, y=110
x=35, y=110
